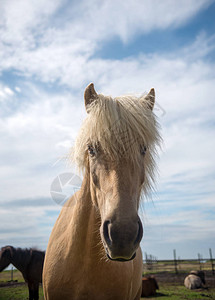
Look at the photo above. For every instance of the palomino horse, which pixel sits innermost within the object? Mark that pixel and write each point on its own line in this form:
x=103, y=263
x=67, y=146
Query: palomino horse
x=29, y=262
x=93, y=251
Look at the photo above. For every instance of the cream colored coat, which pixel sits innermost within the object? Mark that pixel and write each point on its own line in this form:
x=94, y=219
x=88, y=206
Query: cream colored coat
x=76, y=266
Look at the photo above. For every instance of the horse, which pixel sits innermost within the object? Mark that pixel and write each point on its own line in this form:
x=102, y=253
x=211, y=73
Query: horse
x=149, y=286
x=94, y=249
x=29, y=262
x=195, y=280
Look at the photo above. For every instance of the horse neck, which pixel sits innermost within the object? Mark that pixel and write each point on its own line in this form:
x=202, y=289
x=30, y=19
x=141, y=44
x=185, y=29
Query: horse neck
x=86, y=218
x=19, y=259
x=5, y=265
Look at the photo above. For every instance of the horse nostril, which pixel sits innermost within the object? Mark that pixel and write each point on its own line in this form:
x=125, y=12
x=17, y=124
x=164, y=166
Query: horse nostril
x=139, y=234
x=106, y=232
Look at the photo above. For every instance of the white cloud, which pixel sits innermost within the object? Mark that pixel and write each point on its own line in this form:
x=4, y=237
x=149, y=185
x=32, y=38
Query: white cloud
x=20, y=18
x=5, y=92
x=31, y=139
x=24, y=21
x=17, y=89
x=31, y=43
x=127, y=18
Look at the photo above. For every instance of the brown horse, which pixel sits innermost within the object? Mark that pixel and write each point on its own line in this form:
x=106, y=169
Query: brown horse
x=149, y=286
x=29, y=262
x=93, y=251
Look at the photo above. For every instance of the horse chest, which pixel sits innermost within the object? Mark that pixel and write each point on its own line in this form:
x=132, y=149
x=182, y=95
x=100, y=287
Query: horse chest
x=96, y=282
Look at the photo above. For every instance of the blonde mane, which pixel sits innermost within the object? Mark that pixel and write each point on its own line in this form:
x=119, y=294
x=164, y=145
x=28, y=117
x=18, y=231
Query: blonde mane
x=121, y=126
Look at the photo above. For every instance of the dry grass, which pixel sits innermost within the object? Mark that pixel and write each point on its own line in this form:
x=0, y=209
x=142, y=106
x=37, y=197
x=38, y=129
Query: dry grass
x=5, y=276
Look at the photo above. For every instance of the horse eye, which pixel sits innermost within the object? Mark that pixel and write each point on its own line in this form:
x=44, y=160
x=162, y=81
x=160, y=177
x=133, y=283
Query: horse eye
x=91, y=150
x=143, y=150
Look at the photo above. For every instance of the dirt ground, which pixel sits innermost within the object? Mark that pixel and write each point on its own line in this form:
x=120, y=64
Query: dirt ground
x=14, y=283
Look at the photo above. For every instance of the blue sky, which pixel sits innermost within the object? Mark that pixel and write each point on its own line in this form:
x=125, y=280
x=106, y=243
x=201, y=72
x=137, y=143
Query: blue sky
x=49, y=52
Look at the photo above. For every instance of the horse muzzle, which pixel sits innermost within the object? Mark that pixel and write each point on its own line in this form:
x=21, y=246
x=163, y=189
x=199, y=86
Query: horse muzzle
x=121, y=240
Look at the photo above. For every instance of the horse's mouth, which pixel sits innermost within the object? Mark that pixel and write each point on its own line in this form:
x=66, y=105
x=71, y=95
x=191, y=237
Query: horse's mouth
x=122, y=259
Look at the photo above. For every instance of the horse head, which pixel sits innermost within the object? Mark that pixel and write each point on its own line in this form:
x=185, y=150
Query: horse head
x=118, y=139
x=5, y=257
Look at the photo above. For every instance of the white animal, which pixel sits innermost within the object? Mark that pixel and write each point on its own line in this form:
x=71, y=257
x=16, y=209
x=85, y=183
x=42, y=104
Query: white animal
x=195, y=280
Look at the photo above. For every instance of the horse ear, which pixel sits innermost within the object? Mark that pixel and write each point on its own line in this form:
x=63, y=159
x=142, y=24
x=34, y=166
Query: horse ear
x=6, y=252
x=90, y=95
x=151, y=98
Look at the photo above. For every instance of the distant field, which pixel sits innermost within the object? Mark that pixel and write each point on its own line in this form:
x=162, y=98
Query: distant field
x=6, y=276
x=17, y=290
x=182, y=266
x=171, y=287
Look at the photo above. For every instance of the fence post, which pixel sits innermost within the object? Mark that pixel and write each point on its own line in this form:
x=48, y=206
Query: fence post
x=146, y=260
x=175, y=261
x=146, y=257
x=11, y=274
x=211, y=258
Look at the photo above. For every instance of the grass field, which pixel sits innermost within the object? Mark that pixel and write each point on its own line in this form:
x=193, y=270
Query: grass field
x=179, y=292
x=171, y=288
x=14, y=290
